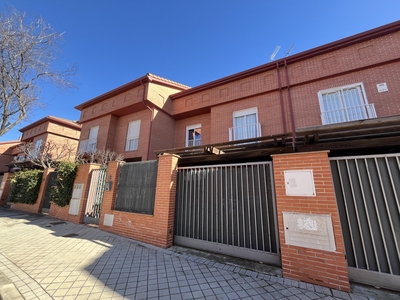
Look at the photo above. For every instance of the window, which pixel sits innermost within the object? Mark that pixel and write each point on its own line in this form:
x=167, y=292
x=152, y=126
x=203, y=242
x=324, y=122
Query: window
x=132, y=138
x=245, y=125
x=36, y=151
x=90, y=144
x=346, y=103
x=193, y=135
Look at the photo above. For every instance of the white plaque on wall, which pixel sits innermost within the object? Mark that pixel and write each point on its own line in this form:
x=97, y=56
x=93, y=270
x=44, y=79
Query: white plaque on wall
x=299, y=183
x=309, y=230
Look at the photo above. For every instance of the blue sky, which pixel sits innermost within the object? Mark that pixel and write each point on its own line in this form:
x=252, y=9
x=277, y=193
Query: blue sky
x=191, y=42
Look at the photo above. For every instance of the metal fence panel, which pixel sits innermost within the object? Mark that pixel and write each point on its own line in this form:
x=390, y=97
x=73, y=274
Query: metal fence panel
x=227, y=204
x=137, y=187
x=368, y=191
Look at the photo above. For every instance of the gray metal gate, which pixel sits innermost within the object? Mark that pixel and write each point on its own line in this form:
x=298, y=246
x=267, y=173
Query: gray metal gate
x=95, y=196
x=367, y=189
x=228, y=209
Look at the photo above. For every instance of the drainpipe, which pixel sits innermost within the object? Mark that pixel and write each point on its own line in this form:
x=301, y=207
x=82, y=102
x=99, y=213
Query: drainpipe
x=290, y=108
x=281, y=98
x=151, y=118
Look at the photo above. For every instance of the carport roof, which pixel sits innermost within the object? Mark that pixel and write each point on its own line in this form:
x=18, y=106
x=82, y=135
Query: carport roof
x=365, y=135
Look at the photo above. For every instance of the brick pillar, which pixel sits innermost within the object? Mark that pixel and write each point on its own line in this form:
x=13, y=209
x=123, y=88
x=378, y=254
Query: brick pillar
x=164, y=208
x=326, y=268
x=5, y=187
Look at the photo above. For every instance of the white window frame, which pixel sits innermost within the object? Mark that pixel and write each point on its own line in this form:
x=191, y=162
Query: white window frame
x=346, y=112
x=92, y=141
x=241, y=113
x=132, y=136
x=195, y=142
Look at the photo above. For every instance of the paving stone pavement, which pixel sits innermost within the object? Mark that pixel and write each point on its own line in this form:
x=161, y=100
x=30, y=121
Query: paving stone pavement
x=46, y=258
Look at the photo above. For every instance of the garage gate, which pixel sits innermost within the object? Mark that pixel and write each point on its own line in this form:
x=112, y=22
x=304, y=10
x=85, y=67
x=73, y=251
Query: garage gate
x=367, y=189
x=228, y=209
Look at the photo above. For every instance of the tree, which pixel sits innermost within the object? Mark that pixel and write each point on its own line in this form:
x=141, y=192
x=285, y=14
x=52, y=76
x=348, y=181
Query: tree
x=48, y=154
x=28, y=50
x=99, y=156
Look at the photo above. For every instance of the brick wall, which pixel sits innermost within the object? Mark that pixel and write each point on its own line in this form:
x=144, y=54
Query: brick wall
x=156, y=229
x=37, y=207
x=310, y=265
x=83, y=176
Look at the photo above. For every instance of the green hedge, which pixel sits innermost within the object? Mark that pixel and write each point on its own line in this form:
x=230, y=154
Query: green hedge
x=62, y=192
x=25, y=186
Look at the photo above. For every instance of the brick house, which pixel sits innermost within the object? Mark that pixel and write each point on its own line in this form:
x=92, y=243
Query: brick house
x=294, y=162
x=133, y=120
x=50, y=129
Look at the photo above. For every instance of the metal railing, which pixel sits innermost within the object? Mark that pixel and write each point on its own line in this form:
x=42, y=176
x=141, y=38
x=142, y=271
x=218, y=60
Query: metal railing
x=366, y=111
x=245, y=132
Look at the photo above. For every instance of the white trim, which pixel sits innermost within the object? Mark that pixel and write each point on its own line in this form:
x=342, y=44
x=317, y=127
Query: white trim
x=132, y=136
x=244, y=112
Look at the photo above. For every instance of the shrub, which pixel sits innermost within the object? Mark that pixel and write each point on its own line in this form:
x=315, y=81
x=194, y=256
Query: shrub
x=25, y=186
x=62, y=191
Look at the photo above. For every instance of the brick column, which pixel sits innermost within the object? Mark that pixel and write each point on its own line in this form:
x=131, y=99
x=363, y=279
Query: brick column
x=326, y=268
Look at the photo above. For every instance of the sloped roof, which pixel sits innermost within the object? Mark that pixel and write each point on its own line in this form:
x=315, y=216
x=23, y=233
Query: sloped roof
x=135, y=83
x=53, y=119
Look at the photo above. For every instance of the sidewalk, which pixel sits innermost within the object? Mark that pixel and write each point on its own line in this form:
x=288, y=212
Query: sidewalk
x=45, y=258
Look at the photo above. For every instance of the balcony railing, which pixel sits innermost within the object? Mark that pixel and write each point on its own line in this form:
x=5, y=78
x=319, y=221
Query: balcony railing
x=245, y=132
x=354, y=113
x=87, y=146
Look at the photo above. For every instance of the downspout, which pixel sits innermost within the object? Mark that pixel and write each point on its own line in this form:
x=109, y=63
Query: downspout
x=281, y=98
x=290, y=108
x=151, y=118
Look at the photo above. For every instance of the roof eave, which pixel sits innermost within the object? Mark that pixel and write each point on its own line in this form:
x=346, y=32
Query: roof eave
x=342, y=43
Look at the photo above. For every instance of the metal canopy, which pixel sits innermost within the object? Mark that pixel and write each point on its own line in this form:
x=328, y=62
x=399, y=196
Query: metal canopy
x=365, y=135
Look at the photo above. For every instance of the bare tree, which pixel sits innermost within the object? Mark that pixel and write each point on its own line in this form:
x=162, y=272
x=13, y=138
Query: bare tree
x=99, y=156
x=28, y=50
x=49, y=154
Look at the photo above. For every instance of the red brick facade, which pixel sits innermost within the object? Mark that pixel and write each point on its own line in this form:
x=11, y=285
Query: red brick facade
x=156, y=229
x=310, y=265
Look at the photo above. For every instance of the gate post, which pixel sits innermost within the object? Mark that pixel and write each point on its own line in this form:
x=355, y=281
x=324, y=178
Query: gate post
x=164, y=204
x=307, y=262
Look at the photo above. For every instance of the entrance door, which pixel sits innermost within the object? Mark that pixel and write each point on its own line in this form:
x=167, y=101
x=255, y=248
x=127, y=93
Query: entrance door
x=95, y=196
x=228, y=209
x=367, y=190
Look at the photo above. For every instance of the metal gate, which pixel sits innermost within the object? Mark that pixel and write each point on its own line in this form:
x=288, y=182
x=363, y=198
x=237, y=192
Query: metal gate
x=95, y=196
x=228, y=209
x=367, y=189
x=51, y=181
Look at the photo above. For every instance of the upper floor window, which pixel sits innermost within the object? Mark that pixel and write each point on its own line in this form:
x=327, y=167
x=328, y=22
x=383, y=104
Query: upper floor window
x=245, y=125
x=346, y=103
x=132, y=138
x=90, y=144
x=193, y=135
